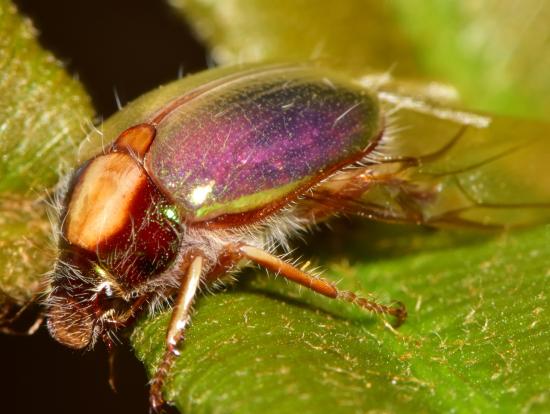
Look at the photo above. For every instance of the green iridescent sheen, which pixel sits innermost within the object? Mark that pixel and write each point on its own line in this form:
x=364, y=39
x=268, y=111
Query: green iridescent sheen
x=249, y=202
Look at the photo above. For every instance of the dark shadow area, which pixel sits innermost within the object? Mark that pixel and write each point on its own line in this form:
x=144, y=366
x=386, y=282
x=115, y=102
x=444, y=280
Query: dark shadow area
x=360, y=240
x=364, y=320
x=133, y=46
x=42, y=376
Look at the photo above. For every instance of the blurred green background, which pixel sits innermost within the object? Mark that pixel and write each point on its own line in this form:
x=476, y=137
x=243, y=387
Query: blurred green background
x=478, y=339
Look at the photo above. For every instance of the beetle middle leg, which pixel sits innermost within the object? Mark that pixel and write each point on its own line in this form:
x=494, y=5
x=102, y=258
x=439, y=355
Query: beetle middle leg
x=181, y=316
x=318, y=285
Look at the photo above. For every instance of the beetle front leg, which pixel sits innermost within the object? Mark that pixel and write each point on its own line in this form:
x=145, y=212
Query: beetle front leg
x=181, y=315
x=318, y=285
x=31, y=330
x=7, y=324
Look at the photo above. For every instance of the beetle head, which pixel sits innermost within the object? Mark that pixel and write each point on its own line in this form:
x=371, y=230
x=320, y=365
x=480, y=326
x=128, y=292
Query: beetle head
x=119, y=233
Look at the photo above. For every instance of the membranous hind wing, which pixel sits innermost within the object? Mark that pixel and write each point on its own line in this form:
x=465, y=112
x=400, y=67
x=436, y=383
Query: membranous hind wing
x=447, y=167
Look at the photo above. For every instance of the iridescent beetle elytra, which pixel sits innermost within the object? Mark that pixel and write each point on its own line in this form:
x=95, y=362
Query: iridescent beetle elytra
x=204, y=180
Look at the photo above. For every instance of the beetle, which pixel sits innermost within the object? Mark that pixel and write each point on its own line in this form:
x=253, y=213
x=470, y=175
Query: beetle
x=209, y=175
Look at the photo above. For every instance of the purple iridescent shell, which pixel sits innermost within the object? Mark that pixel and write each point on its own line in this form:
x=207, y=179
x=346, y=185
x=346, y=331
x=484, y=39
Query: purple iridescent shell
x=256, y=138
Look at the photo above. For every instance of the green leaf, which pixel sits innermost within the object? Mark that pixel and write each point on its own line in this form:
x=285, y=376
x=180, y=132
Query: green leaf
x=42, y=115
x=495, y=52
x=43, y=111
x=478, y=327
x=347, y=35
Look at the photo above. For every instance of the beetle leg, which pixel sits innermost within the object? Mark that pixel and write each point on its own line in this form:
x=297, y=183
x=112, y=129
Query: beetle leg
x=28, y=332
x=6, y=325
x=126, y=319
x=112, y=351
x=318, y=285
x=176, y=329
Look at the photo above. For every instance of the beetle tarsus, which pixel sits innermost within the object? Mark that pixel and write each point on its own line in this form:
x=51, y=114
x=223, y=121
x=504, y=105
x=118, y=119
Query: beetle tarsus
x=112, y=351
x=156, y=401
x=398, y=310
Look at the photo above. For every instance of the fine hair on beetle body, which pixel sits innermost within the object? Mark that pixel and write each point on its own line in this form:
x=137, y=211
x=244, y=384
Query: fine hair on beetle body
x=222, y=174
x=115, y=260
x=271, y=234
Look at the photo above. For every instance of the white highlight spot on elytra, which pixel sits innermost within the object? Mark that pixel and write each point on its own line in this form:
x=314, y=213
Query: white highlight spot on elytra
x=200, y=193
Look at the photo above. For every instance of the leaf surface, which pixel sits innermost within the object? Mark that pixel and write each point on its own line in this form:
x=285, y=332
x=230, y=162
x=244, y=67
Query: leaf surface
x=478, y=335
x=478, y=327
x=495, y=52
x=42, y=115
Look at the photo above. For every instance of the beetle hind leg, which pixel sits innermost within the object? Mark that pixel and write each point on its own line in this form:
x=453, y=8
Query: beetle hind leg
x=318, y=285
